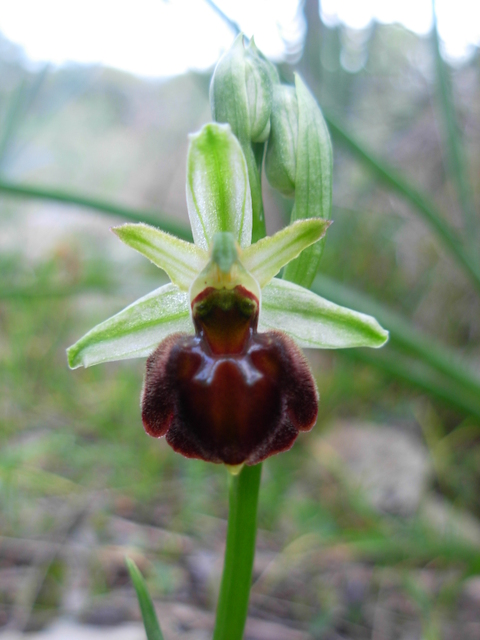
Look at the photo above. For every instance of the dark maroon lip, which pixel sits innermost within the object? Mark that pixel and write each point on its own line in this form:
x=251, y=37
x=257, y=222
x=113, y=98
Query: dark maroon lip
x=228, y=394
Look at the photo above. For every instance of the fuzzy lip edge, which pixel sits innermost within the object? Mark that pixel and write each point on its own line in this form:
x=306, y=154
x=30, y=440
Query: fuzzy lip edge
x=162, y=413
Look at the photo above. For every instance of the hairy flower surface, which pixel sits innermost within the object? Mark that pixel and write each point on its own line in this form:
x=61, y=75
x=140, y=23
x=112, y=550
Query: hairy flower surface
x=226, y=380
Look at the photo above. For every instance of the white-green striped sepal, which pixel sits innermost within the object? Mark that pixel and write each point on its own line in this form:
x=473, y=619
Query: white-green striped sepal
x=315, y=322
x=136, y=331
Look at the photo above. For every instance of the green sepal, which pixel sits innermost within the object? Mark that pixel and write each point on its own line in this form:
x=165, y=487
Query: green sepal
x=265, y=258
x=281, y=154
x=315, y=322
x=180, y=259
x=150, y=620
x=218, y=191
x=136, y=331
x=313, y=180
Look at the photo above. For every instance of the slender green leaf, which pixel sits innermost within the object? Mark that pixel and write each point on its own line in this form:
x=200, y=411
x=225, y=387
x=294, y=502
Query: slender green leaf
x=228, y=21
x=136, y=331
x=181, y=260
x=456, y=159
x=17, y=109
x=416, y=373
x=313, y=180
x=265, y=258
x=218, y=192
x=403, y=333
x=315, y=322
x=150, y=620
x=102, y=206
x=421, y=202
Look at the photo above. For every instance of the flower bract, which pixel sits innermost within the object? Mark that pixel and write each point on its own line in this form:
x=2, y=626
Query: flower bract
x=226, y=380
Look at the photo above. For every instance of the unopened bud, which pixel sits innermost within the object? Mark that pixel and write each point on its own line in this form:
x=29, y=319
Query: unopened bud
x=313, y=177
x=281, y=156
x=241, y=91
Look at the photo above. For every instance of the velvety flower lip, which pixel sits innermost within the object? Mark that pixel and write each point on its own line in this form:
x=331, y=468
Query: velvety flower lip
x=226, y=380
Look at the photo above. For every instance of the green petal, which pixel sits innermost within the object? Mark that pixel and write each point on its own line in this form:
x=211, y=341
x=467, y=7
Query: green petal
x=218, y=191
x=315, y=322
x=181, y=260
x=265, y=258
x=313, y=179
x=136, y=331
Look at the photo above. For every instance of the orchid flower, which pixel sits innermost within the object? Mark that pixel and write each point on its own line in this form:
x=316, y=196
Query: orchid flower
x=226, y=380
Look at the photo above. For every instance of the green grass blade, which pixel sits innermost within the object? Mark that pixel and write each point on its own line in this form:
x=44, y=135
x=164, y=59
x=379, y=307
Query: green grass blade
x=415, y=373
x=11, y=120
x=412, y=548
x=456, y=159
x=102, y=206
x=228, y=21
x=421, y=202
x=17, y=108
x=149, y=616
x=402, y=333
x=33, y=292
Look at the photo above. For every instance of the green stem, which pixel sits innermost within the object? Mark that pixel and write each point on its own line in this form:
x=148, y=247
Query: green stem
x=254, y=157
x=232, y=606
x=66, y=197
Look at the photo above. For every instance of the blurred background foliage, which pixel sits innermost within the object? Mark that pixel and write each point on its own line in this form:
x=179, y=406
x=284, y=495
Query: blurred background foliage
x=370, y=526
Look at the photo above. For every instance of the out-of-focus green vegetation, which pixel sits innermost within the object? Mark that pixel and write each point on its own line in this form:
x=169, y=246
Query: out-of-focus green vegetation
x=75, y=465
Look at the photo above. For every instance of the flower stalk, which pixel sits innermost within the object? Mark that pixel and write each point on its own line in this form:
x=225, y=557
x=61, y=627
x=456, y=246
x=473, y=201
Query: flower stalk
x=234, y=594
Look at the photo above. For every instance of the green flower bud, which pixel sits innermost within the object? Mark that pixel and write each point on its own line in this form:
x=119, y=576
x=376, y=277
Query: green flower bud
x=241, y=91
x=281, y=156
x=313, y=179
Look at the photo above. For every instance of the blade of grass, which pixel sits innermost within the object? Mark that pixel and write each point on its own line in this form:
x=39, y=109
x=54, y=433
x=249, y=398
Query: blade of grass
x=18, y=106
x=421, y=202
x=26, y=294
x=456, y=159
x=149, y=616
x=415, y=373
x=402, y=333
x=228, y=21
x=103, y=206
x=411, y=549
